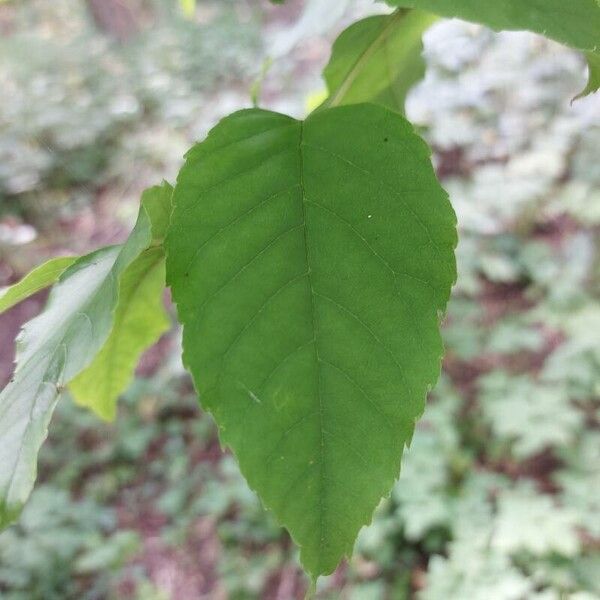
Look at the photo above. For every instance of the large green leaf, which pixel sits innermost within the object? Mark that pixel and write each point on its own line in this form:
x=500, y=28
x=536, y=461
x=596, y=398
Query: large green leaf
x=139, y=321
x=378, y=60
x=52, y=349
x=310, y=262
x=575, y=23
x=38, y=279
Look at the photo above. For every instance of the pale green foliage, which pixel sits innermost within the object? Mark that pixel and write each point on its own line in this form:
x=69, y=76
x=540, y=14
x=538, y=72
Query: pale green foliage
x=580, y=481
x=488, y=574
x=473, y=568
x=577, y=361
x=53, y=348
x=378, y=60
x=530, y=522
x=139, y=319
x=41, y=277
x=488, y=533
x=309, y=277
x=531, y=415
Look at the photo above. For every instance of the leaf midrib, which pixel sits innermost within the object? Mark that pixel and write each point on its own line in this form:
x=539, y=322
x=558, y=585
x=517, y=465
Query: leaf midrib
x=322, y=487
x=363, y=58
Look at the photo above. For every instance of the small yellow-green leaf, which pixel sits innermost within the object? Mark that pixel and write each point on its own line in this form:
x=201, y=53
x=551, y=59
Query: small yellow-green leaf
x=139, y=321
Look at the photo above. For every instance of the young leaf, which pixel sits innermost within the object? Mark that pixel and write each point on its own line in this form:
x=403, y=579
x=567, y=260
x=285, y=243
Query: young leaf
x=41, y=277
x=139, y=320
x=575, y=23
x=310, y=262
x=378, y=60
x=52, y=349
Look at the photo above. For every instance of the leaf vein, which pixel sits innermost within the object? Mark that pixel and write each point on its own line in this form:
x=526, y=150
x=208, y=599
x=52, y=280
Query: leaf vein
x=371, y=332
x=281, y=362
x=387, y=187
x=236, y=220
x=385, y=419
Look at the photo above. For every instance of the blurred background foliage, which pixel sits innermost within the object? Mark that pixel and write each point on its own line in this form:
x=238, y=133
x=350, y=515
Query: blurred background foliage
x=500, y=491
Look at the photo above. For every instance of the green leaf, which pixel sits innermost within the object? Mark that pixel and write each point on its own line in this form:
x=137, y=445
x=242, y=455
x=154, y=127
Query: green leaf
x=378, y=60
x=593, y=85
x=41, y=277
x=310, y=262
x=575, y=23
x=52, y=349
x=140, y=319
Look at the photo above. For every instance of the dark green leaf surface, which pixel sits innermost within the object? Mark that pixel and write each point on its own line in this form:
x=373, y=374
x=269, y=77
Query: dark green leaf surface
x=378, y=60
x=575, y=23
x=52, y=349
x=41, y=277
x=310, y=262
